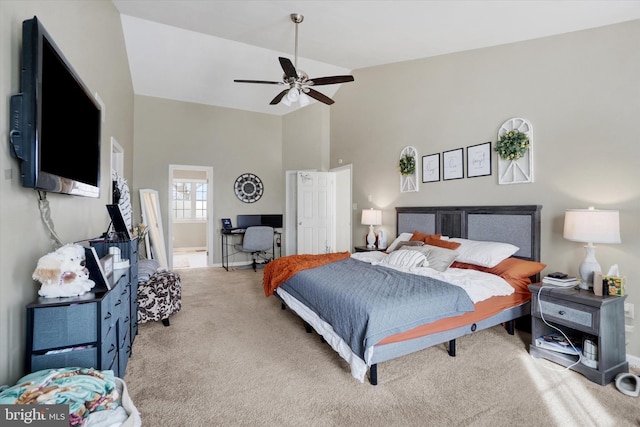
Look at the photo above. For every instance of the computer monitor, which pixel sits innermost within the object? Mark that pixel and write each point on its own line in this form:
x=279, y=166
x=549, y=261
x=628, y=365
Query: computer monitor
x=245, y=221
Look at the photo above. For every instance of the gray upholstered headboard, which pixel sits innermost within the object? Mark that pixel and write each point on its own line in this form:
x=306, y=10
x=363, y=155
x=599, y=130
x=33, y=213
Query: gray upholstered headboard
x=518, y=225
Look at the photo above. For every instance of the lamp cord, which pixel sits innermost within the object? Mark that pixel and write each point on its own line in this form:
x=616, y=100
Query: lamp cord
x=559, y=330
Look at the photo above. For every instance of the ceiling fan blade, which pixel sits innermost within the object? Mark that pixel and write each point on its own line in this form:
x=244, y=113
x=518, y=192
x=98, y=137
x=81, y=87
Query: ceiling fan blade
x=259, y=81
x=319, y=96
x=288, y=68
x=279, y=97
x=329, y=80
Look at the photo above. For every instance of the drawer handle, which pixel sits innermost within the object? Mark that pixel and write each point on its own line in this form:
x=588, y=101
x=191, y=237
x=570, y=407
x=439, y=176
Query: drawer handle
x=107, y=316
x=118, y=303
x=111, y=348
x=562, y=312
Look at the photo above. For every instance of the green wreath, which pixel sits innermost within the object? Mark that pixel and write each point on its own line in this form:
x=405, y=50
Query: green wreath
x=407, y=164
x=512, y=145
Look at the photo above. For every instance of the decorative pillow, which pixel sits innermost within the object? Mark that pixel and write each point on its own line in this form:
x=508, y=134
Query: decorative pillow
x=485, y=254
x=438, y=258
x=405, y=245
x=447, y=244
x=403, y=237
x=405, y=258
x=514, y=270
x=422, y=237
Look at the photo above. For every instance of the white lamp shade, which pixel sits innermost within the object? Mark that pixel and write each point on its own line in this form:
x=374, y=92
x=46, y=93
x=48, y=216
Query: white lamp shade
x=371, y=217
x=304, y=99
x=592, y=226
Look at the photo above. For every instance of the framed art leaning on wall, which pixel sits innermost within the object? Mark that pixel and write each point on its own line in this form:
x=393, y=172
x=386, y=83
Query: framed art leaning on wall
x=431, y=168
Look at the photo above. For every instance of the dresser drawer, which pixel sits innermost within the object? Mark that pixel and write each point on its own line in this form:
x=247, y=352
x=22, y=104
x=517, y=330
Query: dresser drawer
x=581, y=317
x=57, y=327
x=83, y=358
x=109, y=347
x=109, y=316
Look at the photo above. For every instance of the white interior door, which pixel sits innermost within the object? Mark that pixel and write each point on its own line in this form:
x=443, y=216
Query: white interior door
x=316, y=228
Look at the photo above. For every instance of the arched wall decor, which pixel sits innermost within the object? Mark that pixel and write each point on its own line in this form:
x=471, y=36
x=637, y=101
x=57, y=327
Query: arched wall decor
x=409, y=182
x=518, y=171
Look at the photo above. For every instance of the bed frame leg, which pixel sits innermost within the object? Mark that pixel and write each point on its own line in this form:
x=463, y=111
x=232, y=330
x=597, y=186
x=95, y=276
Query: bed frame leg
x=283, y=306
x=308, y=328
x=509, y=326
x=373, y=374
x=452, y=348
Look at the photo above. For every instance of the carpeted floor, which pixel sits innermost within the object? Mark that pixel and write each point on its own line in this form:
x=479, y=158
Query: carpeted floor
x=232, y=357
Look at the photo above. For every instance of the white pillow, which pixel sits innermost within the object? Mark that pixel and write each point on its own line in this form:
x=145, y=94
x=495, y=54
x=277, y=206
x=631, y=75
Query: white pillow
x=403, y=237
x=484, y=254
x=405, y=258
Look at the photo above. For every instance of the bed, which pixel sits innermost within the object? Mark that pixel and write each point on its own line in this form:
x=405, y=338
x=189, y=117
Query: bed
x=480, y=228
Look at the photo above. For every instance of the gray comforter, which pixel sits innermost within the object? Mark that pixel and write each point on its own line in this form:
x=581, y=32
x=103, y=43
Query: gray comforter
x=366, y=303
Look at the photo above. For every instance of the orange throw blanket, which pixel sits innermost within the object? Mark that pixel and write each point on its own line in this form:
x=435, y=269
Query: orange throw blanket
x=281, y=269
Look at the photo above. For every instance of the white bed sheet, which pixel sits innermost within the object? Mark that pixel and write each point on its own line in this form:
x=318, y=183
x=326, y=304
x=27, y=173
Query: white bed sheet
x=478, y=284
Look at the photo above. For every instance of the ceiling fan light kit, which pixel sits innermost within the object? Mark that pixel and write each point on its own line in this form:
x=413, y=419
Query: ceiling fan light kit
x=297, y=82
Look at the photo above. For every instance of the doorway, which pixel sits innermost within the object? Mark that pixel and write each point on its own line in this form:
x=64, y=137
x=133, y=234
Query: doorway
x=312, y=234
x=190, y=219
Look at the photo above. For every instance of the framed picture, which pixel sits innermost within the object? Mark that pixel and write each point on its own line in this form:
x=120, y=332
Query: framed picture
x=453, y=164
x=479, y=160
x=431, y=168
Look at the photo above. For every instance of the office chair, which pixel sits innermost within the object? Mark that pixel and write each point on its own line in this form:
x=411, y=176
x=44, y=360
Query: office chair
x=257, y=240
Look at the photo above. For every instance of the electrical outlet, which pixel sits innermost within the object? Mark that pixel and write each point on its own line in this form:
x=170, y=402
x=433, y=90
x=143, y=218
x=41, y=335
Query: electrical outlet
x=629, y=310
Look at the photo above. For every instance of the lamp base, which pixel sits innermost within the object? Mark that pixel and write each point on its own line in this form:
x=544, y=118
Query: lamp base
x=588, y=267
x=371, y=238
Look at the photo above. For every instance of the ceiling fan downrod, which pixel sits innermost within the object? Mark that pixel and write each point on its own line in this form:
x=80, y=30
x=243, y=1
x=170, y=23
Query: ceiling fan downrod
x=296, y=18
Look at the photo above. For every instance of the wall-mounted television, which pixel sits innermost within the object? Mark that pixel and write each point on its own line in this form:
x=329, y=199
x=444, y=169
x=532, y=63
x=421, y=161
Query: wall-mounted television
x=55, y=120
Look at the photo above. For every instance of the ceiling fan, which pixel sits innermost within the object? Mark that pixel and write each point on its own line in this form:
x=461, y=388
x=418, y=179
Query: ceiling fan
x=297, y=82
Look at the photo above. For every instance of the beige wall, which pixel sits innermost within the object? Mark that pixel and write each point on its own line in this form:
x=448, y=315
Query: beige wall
x=580, y=91
x=305, y=138
x=90, y=35
x=233, y=142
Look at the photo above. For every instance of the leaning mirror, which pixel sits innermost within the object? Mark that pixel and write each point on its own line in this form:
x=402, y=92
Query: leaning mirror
x=154, y=240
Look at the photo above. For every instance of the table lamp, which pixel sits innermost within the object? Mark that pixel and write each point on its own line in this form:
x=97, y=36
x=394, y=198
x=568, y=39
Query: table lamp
x=371, y=217
x=591, y=226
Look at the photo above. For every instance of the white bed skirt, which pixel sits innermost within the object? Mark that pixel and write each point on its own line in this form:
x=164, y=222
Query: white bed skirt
x=358, y=366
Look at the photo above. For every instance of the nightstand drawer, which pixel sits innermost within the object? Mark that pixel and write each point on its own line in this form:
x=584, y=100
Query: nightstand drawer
x=581, y=317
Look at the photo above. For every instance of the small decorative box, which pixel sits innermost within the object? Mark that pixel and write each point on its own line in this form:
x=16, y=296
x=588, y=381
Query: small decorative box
x=613, y=285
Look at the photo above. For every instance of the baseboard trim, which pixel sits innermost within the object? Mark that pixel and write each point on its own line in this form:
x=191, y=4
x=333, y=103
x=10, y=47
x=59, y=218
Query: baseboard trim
x=634, y=361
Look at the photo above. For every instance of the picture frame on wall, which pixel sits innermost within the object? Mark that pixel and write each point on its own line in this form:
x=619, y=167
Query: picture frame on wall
x=453, y=164
x=479, y=160
x=431, y=168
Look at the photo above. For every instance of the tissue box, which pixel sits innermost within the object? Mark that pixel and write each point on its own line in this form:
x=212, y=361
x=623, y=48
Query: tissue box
x=613, y=285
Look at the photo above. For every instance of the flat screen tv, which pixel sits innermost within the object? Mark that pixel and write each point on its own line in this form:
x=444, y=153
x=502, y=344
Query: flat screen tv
x=55, y=120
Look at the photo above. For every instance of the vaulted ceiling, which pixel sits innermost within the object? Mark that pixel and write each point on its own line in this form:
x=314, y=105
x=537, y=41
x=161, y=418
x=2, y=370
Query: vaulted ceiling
x=192, y=50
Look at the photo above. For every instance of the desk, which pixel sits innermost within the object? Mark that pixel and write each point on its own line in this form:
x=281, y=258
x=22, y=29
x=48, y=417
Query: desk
x=226, y=235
